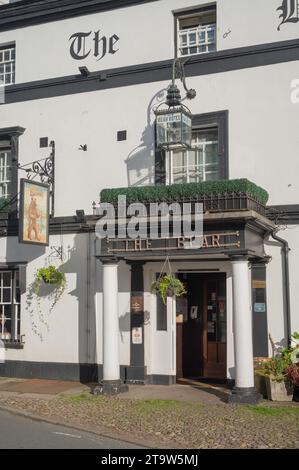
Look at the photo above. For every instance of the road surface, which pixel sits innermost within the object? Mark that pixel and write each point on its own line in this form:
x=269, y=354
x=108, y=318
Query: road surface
x=17, y=432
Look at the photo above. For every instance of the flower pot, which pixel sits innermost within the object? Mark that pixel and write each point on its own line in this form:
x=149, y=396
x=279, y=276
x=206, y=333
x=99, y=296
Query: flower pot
x=260, y=385
x=279, y=391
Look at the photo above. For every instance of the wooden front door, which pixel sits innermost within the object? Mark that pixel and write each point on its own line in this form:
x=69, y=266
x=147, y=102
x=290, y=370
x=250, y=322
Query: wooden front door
x=201, y=327
x=214, y=327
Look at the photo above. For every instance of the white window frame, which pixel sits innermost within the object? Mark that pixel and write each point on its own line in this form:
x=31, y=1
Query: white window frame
x=203, y=29
x=7, y=65
x=5, y=172
x=15, y=308
x=202, y=146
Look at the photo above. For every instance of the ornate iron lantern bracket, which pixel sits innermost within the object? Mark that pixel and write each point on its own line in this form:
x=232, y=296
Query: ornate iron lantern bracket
x=178, y=72
x=45, y=170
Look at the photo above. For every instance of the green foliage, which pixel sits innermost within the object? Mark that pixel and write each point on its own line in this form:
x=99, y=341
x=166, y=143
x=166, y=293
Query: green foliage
x=49, y=275
x=84, y=397
x=284, y=365
x=168, y=285
x=177, y=192
x=272, y=410
x=4, y=205
x=275, y=368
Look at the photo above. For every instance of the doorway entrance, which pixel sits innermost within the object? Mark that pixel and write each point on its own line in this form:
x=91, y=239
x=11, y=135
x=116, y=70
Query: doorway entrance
x=201, y=327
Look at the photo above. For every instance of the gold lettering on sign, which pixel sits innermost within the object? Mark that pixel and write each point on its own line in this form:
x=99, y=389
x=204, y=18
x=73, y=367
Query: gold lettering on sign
x=205, y=242
x=181, y=242
x=209, y=241
x=138, y=244
x=216, y=241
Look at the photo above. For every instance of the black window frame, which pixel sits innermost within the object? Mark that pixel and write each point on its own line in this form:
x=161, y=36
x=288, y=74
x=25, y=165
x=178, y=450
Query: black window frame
x=219, y=119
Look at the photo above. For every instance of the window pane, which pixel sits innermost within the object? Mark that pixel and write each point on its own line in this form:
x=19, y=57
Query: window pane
x=178, y=159
x=192, y=156
x=211, y=153
x=6, y=295
x=5, y=174
x=6, y=279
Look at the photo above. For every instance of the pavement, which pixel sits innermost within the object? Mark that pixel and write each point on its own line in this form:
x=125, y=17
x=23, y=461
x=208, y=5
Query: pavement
x=188, y=390
x=17, y=432
x=192, y=415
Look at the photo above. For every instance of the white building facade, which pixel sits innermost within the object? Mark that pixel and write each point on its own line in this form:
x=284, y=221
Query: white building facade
x=82, y=80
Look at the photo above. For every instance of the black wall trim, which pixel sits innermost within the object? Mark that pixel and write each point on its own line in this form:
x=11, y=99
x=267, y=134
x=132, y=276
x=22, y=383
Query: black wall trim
x=58, y=225
x=31, y=12
x=137, y=321
x=161, y=379
x=259, y=319
x=50, y=370
x=202, y=64
x=284, y=214
x=84, y=373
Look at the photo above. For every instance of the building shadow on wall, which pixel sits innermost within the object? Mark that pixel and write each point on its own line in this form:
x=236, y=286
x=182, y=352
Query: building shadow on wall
x=18, y=254
x=141, y=160
x=284, y=341
x=80, y=261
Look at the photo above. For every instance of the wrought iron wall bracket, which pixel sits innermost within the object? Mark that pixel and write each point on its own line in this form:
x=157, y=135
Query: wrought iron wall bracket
x=45, y=170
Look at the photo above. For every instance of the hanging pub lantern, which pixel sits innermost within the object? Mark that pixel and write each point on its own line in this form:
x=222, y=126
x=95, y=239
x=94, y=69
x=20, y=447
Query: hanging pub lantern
x=173, y=119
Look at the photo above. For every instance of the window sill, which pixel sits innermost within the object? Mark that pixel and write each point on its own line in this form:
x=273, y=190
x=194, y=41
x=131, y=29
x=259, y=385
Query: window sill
x=13, y=345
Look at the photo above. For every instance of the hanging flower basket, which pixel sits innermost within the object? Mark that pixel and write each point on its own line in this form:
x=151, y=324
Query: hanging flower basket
x=168, y=285
x=49, y=275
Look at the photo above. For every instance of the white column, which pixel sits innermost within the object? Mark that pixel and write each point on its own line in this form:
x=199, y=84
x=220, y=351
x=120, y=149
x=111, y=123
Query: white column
x=242, y=325
x=111, y=371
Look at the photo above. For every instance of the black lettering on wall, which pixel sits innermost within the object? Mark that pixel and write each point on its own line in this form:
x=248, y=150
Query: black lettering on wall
x=102, y=45
x=78, y=46
x=289, y=12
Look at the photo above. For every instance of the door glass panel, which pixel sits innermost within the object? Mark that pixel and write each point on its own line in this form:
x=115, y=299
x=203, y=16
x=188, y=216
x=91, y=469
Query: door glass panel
x=216, y=311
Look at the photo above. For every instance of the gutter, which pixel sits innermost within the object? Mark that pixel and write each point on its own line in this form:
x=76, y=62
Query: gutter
x=285, y=249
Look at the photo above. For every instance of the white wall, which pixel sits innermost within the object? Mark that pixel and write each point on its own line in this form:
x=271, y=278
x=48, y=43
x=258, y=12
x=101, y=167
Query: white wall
x=53, y=336
x=263, y=133
x=72, y=331
x=146, y=34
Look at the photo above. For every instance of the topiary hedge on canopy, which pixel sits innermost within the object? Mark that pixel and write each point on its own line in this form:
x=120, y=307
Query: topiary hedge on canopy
x=178, y=192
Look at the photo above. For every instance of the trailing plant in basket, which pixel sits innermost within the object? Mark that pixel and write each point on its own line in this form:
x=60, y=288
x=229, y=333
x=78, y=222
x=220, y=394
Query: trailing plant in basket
x=50, y=275
x=168, y=285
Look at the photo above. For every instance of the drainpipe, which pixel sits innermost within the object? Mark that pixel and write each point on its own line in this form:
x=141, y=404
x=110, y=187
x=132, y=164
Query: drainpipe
x=285, y=249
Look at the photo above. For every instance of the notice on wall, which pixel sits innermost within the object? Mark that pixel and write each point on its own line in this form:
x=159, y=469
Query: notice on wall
x=137, y=335
x=259, y=307
x=194, y=312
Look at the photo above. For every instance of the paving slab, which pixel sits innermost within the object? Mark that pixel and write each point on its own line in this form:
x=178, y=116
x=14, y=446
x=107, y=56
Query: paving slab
x=39, y=386
x=193, y=392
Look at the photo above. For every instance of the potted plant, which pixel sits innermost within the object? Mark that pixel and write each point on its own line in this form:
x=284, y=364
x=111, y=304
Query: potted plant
x=278, y=387
x=168, y=285
x=50, y=275
x=292, y=371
